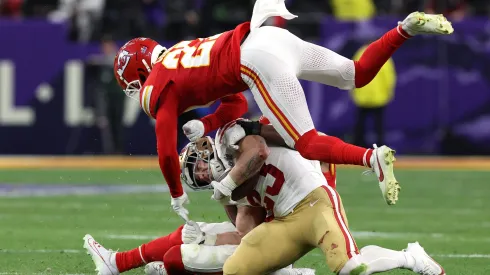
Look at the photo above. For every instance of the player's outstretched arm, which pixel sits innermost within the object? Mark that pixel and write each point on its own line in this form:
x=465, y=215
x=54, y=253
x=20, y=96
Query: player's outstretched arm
x=168, y=158
x=231, y=108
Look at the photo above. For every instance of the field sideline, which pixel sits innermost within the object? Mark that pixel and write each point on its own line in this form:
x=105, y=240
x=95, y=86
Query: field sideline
x=138, y=162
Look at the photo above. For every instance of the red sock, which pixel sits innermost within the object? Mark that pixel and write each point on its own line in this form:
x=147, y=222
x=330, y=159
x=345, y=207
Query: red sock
x=331, y=176
x=332, y=150
x=376, y=55
x=149, y=252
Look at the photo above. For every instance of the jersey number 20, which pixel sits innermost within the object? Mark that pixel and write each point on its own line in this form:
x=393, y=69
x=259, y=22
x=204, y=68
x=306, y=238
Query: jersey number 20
x=192, y=54
x=270, y=192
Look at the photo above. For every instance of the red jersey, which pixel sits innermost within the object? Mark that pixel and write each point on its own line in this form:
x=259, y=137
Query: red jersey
x=189, y=75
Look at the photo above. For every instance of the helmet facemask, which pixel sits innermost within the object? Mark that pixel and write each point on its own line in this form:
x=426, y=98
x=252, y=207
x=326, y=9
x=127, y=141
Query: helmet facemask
x=199, y=160
x=133, y=90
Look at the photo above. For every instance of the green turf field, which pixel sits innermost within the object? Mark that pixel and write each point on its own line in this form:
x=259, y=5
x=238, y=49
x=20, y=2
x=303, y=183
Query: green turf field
x=448, y=212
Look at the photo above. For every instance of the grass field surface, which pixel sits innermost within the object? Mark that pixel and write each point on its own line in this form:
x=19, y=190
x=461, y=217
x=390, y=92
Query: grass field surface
x=48, y=205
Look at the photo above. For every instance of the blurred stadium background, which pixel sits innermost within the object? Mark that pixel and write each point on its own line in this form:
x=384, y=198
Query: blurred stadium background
x=77, y=157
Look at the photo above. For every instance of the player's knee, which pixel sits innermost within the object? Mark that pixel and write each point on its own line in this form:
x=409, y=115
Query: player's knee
x=303, y=144
x=172, y=260
x=234, y=266
x=353, y=266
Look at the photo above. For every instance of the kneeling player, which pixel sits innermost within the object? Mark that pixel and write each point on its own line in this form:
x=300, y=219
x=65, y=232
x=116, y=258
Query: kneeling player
x=303, y=213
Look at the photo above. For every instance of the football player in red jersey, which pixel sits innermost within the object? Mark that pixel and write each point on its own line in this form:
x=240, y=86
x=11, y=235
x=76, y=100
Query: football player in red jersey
x=268, y=61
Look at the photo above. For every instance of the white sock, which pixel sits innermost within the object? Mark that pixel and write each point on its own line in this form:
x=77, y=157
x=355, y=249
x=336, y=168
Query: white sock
x=379, y=259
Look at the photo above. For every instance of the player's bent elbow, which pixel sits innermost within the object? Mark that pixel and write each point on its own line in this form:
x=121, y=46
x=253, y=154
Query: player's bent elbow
x=263, y=150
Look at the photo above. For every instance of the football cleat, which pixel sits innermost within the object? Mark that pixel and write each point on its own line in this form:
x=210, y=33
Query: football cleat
x=424, y=264
x=382, y=165
x=155, y=268
x=421, y=23
x=100, y=256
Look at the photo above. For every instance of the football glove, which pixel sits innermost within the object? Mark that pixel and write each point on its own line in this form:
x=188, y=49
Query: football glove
x=178, y=206
x=192, y=234
x=193, y=129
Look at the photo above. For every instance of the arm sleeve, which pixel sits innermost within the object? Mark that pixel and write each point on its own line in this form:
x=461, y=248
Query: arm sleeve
x=231, y=108
x=166, y=135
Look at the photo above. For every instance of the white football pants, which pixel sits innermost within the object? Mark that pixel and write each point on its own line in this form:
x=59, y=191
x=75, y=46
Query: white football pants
x=272, y=61
x=210, y=259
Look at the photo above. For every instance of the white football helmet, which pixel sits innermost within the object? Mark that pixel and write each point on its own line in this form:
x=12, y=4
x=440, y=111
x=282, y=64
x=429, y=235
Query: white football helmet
x=204, y=151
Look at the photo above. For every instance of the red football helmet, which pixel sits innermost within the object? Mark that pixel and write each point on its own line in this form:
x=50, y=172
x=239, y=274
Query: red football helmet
x=133, y=63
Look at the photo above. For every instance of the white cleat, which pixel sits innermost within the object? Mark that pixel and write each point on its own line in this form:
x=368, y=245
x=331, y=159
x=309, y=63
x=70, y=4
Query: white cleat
x=100, y=256
x=421, y=23
x=155, y=268
x=424, y=264
x=382, y=165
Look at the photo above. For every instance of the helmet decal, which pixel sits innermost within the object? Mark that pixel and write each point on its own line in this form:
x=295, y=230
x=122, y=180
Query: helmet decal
x=122, y=62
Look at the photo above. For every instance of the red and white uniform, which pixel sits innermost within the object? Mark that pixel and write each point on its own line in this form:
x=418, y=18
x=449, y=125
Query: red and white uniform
x=193, y=74
x=285, y=179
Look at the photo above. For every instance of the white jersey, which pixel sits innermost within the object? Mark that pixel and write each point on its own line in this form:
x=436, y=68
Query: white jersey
x=285, y=179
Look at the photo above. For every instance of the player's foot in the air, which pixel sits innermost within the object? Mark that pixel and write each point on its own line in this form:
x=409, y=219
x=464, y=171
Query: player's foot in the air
x=104, y=259
x=422, y=23
x=382, y=164
x=424, y=264
x=155, y=268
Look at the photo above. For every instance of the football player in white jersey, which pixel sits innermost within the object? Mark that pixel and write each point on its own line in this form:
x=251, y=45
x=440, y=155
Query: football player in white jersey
x=303, y=212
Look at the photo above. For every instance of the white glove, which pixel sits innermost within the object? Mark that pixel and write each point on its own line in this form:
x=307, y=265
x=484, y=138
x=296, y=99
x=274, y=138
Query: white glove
x=217, y=195
x=223, y=188
x=193, y=129
x=177, y=205
x=233, y=135
x=191, y=233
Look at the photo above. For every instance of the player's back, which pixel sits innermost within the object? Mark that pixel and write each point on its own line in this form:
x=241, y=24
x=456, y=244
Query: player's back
x=285, y=180
x=202, y=70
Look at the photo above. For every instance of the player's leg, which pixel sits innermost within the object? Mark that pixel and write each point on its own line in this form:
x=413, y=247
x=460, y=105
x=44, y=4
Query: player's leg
x=154, y=250
x=281, y=99
x=379, y=259
x=268, y=247
x=322, y=65
x=107, y=261
x=329, y=229
x=203, y=259
x=148, y=252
